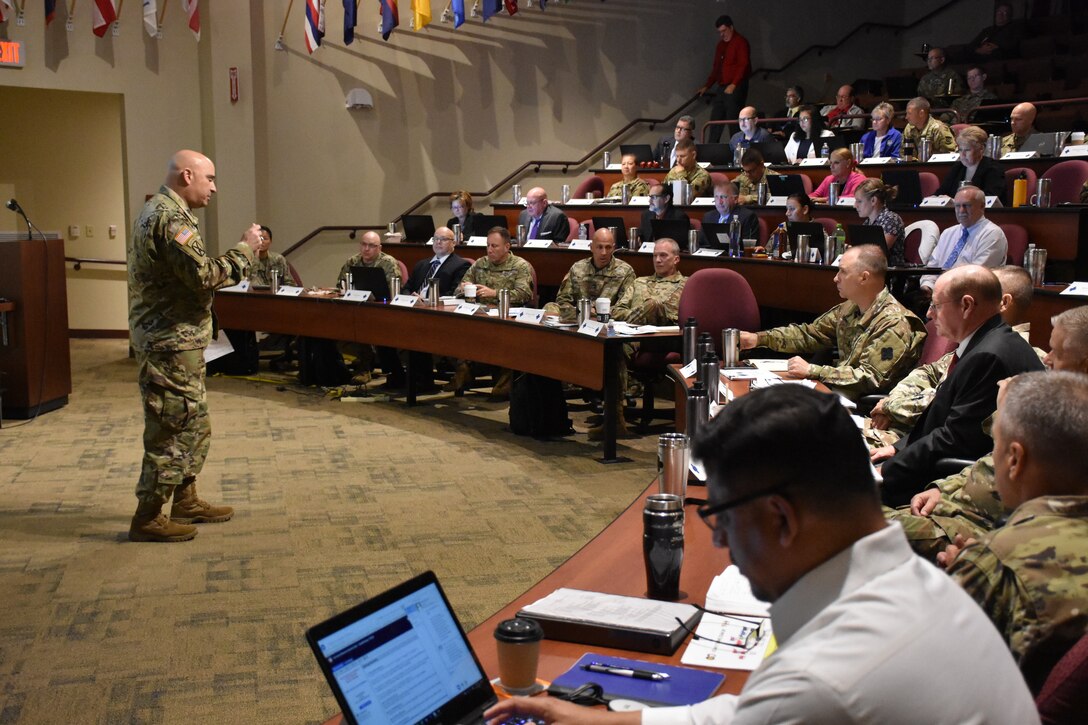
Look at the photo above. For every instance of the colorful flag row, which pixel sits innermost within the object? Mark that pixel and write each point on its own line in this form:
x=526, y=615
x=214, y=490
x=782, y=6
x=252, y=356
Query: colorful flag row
x=105, y=14
x=390, y=16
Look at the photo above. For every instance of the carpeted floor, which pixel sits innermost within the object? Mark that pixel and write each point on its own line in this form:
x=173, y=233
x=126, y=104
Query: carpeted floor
x=336, y=502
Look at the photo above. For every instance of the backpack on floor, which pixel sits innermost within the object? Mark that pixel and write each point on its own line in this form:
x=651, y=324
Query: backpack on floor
x=538, y=407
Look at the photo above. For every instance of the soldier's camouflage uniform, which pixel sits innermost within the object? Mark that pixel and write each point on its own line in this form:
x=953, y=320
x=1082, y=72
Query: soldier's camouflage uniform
x=747, y=190
x=656, y=300
x=616, y=281
x=260, y=272
x=934, y=84
x=939, y=134
x=876, y=347
x=171, y=282
x=699, y=178
x=1011, y=142
x=514, y=274
x=387, y=263
x=638, y=187
x=969, y=506
x=1031, y=578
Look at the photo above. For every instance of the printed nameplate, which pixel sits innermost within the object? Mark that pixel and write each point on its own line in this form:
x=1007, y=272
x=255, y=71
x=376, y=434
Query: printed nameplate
x=708, y=253
x=289, y=291
x=404, y=301
x=845, y=201
x=538, y=244
x=529, y=316
x=242, y=286
x=646, y=248
x=1081, y=150
x=945, y=158
x=1016, y=155
x=476, y=242
x=579, y=244
x=688, y=370
x=814, y=162
x=466, y=308
x=591, y=328
x=936, y=201
x=703, y=201
x=639, y=201
x=355, y=295
x=876, y=160
x=992, y=202
x=776, y=201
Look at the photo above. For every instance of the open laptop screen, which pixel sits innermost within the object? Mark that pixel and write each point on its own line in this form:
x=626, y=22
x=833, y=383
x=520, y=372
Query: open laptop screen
x=402, y=658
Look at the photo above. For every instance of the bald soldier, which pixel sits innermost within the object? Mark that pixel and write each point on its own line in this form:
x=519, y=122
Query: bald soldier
x=878, y=340
x=1031, y=575
x=371, y=255
x=600, y=275
x=1021, y=127
x=966, y=504
x=171, y=282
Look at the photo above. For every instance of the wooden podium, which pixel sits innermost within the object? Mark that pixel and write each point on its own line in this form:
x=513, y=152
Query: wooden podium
x=35, y=365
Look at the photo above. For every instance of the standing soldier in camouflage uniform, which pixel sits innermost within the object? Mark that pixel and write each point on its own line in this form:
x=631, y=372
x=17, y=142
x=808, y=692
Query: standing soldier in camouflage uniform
x=966, y=504
x=921, y=125
x=655, y=300
x=171, y=282
x=688, y=170
x=935, y=84
x=877, y=339
x=1031, y=575
x=499, y=269
x=371, y=255
x=601, y=275
x=635, y=185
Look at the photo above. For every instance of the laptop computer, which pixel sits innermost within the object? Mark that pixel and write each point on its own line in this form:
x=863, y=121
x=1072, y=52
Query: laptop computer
x=401, y=658
x=1043, y=143
x=772, y=151
x=418, y=227
x=675, y=229
x=858, y=234
x=603, y=222
x=493, y=220
x=785, y=184
x=717, y=154
x=370, y=278
x=814, y=229
x=642, y=151
x=715, y=236
x=909, y=193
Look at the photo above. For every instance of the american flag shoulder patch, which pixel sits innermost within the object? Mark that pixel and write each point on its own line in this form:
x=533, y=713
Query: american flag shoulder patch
x=184, y=236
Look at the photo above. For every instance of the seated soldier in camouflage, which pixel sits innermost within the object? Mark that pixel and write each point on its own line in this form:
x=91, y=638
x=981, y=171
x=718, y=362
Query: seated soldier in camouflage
x=498, y=269
x=371, y=255
x=1030, y=575
x=635, y=185
x=966, y=504
x=655, y=300
x=267, y=261
x=601, y=275
x=877, y=339
x=895, y=415
x=688, y=170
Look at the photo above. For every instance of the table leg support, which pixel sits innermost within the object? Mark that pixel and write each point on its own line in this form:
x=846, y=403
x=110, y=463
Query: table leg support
x=613, y=351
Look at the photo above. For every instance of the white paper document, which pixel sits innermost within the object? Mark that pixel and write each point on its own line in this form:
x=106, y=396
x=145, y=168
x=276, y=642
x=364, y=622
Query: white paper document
x=1078, y=289
x=217, y=348
x=730, y=593
x=774, y=366
x=611, y=610
x=622, y=328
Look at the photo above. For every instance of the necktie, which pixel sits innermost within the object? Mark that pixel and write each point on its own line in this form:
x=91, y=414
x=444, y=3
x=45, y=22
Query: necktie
x=532, y=228
x=435, y=264
x=952, y=365
x=956, y=250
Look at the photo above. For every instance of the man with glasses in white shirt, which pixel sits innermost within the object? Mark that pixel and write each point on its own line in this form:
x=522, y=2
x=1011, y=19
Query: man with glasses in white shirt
x=975, y=240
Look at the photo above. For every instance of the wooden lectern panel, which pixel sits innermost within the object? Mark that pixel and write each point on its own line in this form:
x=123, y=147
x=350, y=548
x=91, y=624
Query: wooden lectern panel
x=35, y=365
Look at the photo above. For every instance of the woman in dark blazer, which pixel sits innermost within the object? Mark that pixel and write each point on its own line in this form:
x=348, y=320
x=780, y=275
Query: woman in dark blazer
x=472, y=222
x=987, y=175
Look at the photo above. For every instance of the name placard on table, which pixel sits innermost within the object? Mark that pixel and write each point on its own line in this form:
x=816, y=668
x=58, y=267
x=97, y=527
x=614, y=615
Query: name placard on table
x=708, y=252
x=466, y=308
x=877, y=160
x=288, y=291
x=814, y=162
x=354, y=295
x=538, y=244
x=578, y=244
x=591, y=328
x=646, y=248
x=1081, y=150
x=944, y=158
x=1017, y=155
x=404, y=301
x=476, y=242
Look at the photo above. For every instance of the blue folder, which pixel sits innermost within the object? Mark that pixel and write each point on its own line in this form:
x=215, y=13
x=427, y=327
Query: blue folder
x=685, y=686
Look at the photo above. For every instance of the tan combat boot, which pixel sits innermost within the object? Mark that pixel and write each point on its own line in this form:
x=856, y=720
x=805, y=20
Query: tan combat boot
x=596, y=433
x=150, y=524
x=189, y=508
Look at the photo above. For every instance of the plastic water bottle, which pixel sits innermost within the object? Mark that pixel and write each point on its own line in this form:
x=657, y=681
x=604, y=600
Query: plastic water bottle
x=840, y=241
x=583, y=231
x=734, y=236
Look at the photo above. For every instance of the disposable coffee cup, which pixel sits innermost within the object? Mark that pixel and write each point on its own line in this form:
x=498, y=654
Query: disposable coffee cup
x=517, y=642
x=603, y=306
x=470, y=293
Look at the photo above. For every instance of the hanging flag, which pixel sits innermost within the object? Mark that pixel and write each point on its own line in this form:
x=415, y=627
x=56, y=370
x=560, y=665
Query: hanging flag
x=192, y=11
x=105, y=12
x=315, y=24
x=50, y=10
x=421, y=14
x=511, y=6
x=151, y=18
x=350, y=21
x=390, y=17
x=458, y=7
x=491, y=7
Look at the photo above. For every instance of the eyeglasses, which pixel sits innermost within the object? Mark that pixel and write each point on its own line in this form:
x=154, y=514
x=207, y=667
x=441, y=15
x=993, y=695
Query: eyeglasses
x=937, y=305
x=659, y=196
x=706, y=511
x=751, y=630
x=443, y=239
x=746, y=118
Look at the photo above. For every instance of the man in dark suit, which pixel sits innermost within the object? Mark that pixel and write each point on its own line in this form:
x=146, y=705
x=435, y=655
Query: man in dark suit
x=663, y=152
x=965, y=306
x=725, y=208
x=660, y=208
x=446, y=266
x=541, y=219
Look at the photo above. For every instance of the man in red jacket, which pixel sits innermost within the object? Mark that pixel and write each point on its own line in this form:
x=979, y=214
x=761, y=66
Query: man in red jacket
x=732, y=66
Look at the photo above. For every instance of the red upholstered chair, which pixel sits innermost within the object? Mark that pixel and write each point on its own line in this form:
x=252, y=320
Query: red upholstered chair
x=1011, y=175
x=1066, y=180
x=1017, y=237
x=806, y=182
x=935, y=346
x=295, y=275
x=589, y=184
x=957, y=127
x=534, y=301
x=1064, y=697
x=764, y=231
x=403, y=271
x=574, y=224
x=717, y=177
x=829, y=224
x=650, y=181
x=929, y=182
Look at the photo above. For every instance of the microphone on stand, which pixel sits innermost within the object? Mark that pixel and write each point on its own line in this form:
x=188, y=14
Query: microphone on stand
x=14, y=206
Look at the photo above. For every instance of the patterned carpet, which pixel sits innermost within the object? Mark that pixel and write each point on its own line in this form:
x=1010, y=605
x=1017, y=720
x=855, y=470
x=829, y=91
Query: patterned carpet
x=336, y=502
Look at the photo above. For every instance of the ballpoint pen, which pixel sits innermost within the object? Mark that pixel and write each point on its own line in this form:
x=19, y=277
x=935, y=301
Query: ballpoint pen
x=624, y=671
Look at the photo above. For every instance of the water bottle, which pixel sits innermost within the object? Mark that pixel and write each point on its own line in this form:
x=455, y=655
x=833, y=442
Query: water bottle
x=690, y=334
x=704, y=343
x=734, y=236
x=840, y=243
x=697, y=408
x=583, y=232
x=825, y=152
x=709, y=370
x=663, y=545
x=777, y=246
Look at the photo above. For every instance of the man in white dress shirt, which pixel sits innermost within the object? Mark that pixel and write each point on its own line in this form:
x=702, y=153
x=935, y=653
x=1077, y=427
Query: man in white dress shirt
x=859, y=619
x=975, y=240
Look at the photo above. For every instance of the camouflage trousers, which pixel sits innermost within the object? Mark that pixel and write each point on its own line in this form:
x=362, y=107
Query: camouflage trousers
x=930, y=535
x=177, y=431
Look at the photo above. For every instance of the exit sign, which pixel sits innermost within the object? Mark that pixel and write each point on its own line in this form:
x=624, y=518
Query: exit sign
x=11, y=53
